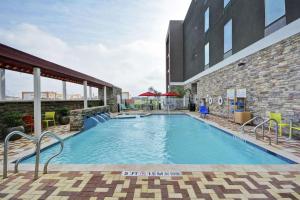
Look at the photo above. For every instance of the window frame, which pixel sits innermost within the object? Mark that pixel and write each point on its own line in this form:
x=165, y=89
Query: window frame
x=207, y=12
x=275, y=20
x=206, y=57
x=225, y=5
x=226, y=53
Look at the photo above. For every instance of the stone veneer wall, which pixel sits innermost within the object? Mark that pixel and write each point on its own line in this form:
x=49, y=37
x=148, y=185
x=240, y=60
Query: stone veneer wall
x=77, y=116
x=111, y=96
x=271, y=77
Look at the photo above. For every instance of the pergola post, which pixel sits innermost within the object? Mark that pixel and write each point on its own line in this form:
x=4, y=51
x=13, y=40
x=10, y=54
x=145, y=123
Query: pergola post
x=90, y=93
x=2, y=84
x=104, y=96
x=37, y=101
x=85, y=100
x=64, y=85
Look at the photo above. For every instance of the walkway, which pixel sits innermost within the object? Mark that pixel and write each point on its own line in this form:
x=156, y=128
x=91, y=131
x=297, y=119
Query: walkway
x=112, y=185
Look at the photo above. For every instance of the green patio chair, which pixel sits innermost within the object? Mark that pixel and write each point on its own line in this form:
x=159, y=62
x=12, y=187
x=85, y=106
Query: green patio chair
x=292, y=127
x=49, y=117
x=278, y=118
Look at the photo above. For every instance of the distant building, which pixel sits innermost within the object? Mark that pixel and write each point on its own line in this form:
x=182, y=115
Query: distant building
x=75, y=97
x=12, y=98
x=27, y=96
x=125, y=95
x=59, y=96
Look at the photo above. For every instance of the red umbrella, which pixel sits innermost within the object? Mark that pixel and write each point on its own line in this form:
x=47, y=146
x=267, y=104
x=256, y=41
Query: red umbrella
x=170, y=94
x=147, y=94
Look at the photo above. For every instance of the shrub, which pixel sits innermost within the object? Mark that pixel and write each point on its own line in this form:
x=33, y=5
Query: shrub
x=13, y=119
x=63, y=112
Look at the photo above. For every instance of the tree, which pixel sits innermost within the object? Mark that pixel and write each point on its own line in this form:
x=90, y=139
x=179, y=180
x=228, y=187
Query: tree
x=180, y=91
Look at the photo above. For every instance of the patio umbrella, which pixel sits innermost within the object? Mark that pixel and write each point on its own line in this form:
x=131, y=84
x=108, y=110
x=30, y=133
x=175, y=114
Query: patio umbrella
x=147, y=94
x=170, y=94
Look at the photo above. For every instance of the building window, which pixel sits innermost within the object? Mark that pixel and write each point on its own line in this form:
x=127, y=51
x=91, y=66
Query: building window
x=206, y=18
x=194, y=88
x=228, y=39
x=274, y=11
x=206, y=58
x=226, y=2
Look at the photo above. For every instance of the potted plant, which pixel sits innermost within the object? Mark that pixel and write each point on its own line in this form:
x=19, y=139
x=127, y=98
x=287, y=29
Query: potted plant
x=63, y=114
x=13, y=122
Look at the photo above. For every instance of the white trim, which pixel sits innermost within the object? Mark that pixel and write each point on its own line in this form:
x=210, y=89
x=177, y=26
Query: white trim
x=64, y=88
x=105, y=96
x=176, y=83
x=37, y=101
x=2, y=84
x=90, y=93
x=283, y=33
x=85, y=98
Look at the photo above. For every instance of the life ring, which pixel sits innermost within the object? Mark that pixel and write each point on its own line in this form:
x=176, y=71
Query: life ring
x=220, y=100
x=210, y=101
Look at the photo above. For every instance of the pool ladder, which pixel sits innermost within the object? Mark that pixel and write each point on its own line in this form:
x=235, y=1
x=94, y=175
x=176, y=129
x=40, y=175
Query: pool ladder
x=37, y=140
x=262, y=127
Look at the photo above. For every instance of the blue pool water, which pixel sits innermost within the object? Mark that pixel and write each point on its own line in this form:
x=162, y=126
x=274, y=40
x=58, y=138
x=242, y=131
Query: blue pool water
x=157, y=139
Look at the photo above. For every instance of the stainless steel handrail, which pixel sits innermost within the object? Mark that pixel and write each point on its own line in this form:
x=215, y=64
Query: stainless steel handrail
x=263, y=130
x=251, y=120
x=37, y=141
x=37, y=160
x=6, y=145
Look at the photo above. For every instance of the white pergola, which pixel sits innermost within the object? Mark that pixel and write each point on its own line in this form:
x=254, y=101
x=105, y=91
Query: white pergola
x=13, y=59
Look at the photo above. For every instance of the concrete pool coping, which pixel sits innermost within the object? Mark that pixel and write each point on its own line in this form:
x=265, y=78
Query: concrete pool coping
x=167, y=167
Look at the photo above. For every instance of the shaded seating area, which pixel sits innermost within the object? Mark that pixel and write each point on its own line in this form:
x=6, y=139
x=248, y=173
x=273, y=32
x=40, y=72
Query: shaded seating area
x=15, y=60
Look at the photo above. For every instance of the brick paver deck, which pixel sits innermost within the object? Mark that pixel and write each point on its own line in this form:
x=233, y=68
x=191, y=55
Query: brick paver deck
x=22, y=144
x=291, y=146
x=112, y=185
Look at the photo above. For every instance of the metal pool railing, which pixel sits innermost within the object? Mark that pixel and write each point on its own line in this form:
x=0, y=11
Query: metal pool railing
x=37, y=141
x=263, y=130
x=248, y=122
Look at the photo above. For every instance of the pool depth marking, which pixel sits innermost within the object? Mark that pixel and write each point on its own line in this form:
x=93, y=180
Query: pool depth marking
x=150, y=173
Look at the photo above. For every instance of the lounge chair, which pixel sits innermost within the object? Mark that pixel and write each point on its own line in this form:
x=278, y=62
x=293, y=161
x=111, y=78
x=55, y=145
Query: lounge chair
x=278, y=118
x=203, y=110
x=123, y=107
x=49, y=117
x=132, y=107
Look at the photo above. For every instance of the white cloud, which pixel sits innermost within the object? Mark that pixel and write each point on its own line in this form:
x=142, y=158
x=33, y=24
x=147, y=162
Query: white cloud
x=133, y=66
x=125, y=66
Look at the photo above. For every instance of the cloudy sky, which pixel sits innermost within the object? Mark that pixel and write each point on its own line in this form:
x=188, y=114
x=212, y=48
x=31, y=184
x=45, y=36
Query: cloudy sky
x=118, y=41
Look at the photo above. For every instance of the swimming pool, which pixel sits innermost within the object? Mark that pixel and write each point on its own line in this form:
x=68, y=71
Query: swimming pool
x=158, y=139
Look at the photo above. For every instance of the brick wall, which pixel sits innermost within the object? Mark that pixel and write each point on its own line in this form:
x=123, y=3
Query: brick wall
x=271, y=77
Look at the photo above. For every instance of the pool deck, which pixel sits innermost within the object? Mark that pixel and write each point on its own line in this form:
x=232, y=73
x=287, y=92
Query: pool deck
x=194, y=182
